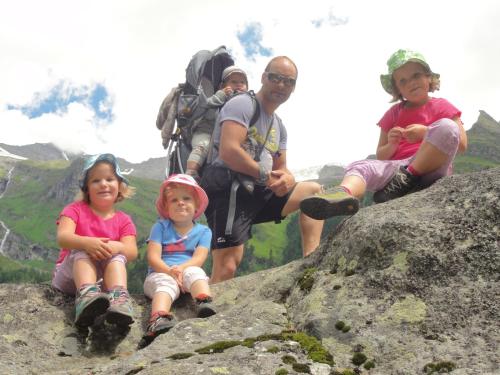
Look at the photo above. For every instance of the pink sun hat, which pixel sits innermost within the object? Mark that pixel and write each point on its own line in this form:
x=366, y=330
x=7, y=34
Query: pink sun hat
x=182, y=179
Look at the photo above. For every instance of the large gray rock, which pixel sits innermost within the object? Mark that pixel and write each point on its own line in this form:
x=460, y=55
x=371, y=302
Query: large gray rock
x=414, y=281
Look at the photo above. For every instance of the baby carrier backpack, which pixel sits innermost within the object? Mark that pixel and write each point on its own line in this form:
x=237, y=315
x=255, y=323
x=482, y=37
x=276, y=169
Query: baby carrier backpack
x=187, y=103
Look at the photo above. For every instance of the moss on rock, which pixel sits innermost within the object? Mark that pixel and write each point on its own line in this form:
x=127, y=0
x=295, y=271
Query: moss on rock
x=358, y=359
x=408, y=310
x=217, y=347
x=302, y=367
x=180, y=356
x=439, y=367
x=306, y=281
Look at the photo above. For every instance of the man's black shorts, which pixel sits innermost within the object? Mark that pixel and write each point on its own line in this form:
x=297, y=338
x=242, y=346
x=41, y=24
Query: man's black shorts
x=260, y=207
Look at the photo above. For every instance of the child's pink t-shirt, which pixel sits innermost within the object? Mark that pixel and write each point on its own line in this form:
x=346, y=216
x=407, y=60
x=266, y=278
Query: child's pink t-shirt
x=398, y=115
x=91, y=225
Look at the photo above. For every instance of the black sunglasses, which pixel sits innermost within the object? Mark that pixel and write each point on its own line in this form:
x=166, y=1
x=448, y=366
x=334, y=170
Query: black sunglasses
x=277, y=78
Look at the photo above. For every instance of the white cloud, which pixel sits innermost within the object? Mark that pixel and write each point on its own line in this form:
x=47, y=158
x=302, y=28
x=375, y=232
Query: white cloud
x=139, y=50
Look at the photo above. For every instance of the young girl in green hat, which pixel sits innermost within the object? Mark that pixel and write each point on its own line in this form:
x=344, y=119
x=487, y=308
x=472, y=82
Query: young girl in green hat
x=419, y=138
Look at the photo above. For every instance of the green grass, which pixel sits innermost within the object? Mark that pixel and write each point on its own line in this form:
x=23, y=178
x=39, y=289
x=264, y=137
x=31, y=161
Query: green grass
x=14, y=272
x=141, y=207
x=9, y=264
x=38, y=264
x=270, y=238
x=48, y=165
x=465, y=164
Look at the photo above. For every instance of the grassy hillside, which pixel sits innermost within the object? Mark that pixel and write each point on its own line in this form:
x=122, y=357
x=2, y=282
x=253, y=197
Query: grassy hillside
x=27, y=210
x=270, y=238
x=466, y=163
x=23, y=208
x=15, y=272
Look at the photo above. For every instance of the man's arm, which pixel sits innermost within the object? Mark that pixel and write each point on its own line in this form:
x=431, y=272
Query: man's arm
x=231, y=152
x=281, y=180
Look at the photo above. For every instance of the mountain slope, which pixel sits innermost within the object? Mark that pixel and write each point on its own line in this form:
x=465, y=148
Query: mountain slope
x=483, y=151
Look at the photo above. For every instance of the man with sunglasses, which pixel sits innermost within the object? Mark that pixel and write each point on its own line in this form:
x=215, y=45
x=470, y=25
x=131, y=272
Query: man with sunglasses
x=275, y=193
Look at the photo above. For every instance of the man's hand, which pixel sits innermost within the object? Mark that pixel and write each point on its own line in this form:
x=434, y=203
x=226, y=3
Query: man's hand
x=414, y=133
x=281, y=182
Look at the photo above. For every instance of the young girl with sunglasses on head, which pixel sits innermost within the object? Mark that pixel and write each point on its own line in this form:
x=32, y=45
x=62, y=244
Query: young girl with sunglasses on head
x=419, y=138
x=97, y=241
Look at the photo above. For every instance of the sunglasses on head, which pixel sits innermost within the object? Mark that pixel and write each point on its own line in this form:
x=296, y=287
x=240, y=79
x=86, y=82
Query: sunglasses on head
x=277, y=78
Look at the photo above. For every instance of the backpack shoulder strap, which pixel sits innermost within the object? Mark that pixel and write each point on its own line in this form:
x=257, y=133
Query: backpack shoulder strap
x=253, y=121
x=256, y=108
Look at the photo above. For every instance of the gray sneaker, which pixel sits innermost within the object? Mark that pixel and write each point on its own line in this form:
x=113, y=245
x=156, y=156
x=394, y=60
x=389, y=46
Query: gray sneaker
x=89, y=304
x=205, y=307
x=160, y=324
x=334, y=202
x=120, y=311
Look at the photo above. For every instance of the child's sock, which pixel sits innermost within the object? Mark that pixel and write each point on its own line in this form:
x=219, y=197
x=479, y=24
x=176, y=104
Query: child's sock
x=117, y=287
x=347, y=190
x=157, y=314
x=413, y=171
x=203, y=297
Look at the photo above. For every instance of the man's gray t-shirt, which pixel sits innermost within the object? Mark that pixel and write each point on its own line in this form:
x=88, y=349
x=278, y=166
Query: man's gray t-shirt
x=240, y=109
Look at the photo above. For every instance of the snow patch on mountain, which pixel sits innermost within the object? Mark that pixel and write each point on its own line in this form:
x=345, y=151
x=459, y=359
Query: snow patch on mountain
x=7, y=154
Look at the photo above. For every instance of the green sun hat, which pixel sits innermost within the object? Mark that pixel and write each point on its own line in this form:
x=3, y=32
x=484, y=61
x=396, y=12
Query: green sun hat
x=396, y=61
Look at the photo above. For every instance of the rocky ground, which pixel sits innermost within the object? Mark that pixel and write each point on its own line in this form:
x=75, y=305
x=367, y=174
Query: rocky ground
x=406, y=287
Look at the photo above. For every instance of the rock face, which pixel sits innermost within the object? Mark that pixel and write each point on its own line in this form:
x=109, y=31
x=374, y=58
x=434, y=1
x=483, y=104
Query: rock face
x=330, y=172
x=412, y=285
x=483, y=138
x=65, y=190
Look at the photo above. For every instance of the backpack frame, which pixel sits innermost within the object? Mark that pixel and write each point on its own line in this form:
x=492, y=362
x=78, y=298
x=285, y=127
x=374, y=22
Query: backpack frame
x=187, y=103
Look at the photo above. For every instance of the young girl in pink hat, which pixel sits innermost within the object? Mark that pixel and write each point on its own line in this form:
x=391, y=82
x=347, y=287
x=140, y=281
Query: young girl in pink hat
x=177, y=249
x=419, y=138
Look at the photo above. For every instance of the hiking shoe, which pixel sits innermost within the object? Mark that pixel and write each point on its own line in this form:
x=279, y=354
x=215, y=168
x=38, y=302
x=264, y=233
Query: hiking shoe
x=334, y=202
x=120, y=311
x=205, y=307
x=401, y=184
x=89, y=304
x=160, y=323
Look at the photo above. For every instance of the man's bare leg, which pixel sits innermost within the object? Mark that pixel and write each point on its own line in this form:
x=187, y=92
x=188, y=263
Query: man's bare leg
x=310, y=229
x=225, y=263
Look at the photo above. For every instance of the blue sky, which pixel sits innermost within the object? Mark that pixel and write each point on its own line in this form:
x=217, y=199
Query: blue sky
x=250, y=38
x=90, y=76
x=57, y=99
